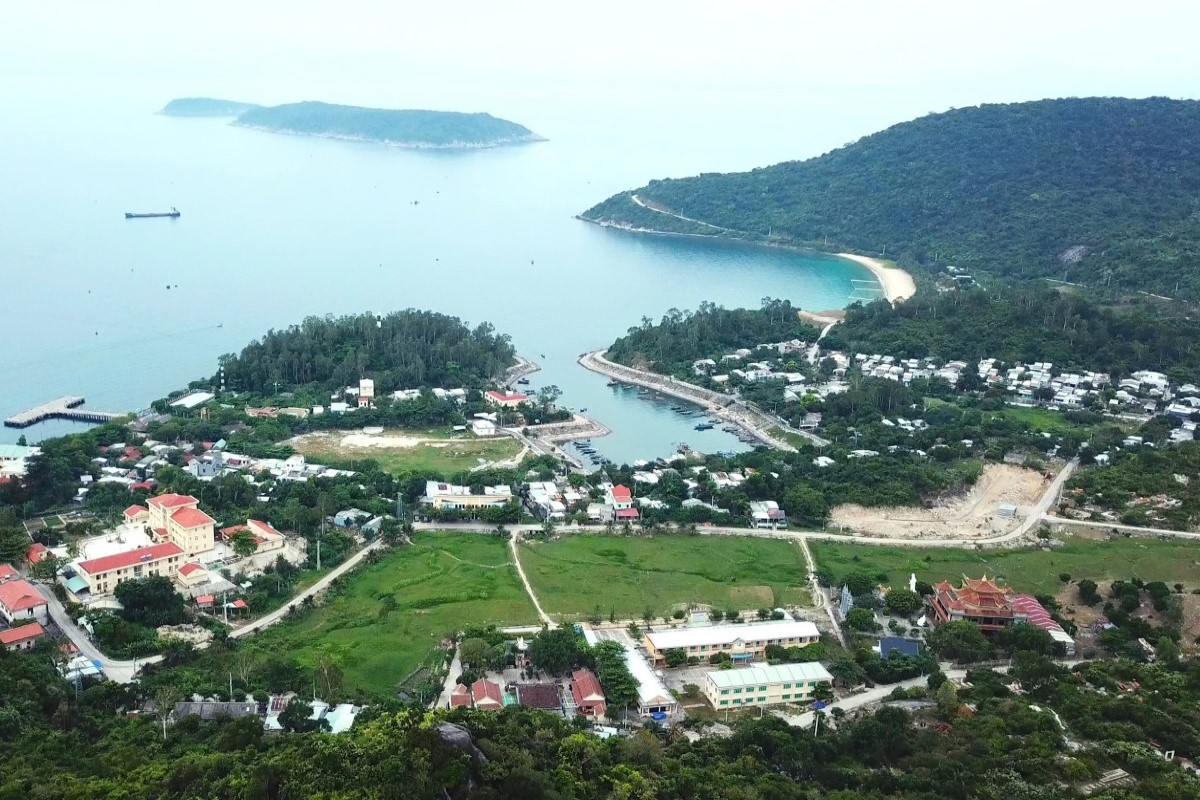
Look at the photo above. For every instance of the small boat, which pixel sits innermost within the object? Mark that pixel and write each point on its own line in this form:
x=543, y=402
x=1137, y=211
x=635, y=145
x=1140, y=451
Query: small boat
x=172, y=214
x=523, y=381
x=705, y=426
x=613, y=383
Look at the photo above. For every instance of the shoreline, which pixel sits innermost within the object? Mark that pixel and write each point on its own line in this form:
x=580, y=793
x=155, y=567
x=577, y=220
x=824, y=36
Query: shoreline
x=897, y=284
x=533, y=138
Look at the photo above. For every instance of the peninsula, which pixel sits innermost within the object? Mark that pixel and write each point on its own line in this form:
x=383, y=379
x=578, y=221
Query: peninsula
x=205, y=107
x=398, y=128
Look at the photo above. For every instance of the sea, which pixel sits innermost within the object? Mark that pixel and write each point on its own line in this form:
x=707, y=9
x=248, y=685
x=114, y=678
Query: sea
x=275, y=228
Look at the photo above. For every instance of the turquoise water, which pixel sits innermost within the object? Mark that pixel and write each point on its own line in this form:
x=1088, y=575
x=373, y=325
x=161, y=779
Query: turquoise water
x=275, y=228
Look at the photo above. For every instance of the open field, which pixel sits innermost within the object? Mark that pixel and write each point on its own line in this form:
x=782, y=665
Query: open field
x=395, y=450
x=971, y=516
x=1027, y=570
x=391, y=615
x=576, y=575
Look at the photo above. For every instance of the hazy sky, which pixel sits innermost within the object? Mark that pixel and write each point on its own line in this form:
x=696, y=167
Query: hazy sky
x=856, y=67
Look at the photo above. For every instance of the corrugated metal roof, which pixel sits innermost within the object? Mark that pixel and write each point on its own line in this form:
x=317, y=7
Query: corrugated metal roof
x=755, y=676
x=728, y=634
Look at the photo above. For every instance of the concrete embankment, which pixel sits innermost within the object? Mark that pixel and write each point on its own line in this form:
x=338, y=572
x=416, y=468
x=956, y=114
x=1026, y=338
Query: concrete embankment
x=745, y=416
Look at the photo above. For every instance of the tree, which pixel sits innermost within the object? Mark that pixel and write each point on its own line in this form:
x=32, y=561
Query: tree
x=296, y=718
x=165, y=699
x=675, y=657
x=861, y=619
x=947, y=699
x=903, y=602
x=620, y=687
x=151, y=602
x=475, y=653
x=805, y=503
x=823, y=692
x=1024, y=637
x=1088, y=591
x=959, y=641
x=557, y=650
x=243, y=544
x=859, y=583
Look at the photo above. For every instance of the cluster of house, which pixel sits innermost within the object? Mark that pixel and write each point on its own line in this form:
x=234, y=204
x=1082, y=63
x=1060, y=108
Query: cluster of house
x=23, y=610
x=584, y=696
x=751, y=683
x=339, y=718
x=170, y=536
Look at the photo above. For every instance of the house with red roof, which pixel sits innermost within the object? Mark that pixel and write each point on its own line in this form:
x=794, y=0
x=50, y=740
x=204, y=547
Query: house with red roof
x=177, y=518
x=103, y=574
x=36, y=553
x=504, y=399
x=191, y=574
x=22, y=637
x=589, y=697
x=20, y=600
x=487, y=695
x=266, y=538
x=8, y=572
x=460, y=696
x=136, y=514
x=620, y=497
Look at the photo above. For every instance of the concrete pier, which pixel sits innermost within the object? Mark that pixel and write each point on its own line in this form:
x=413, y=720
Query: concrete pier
x=66, y=407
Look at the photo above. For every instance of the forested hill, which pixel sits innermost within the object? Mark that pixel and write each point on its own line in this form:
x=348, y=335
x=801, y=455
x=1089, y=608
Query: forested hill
x=1101, y=191
x=682, y=337
x=205, y=107
x=403, y=350
x=410, y=128
x=1026, y=324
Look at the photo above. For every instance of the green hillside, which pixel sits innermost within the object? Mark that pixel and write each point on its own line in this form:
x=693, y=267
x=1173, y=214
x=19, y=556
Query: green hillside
x=410, y=128
x=205, y=107
x=1100, y=191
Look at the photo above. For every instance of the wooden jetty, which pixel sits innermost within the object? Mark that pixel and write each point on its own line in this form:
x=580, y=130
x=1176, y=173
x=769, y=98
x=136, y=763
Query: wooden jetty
x=67, y=407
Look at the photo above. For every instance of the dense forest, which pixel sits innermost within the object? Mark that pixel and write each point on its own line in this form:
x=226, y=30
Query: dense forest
x=402, y=127
x=205, y=107
x=403, y=350
x=983, y=742
x=682, y=337
x=1100, y=191
x=1023, y=323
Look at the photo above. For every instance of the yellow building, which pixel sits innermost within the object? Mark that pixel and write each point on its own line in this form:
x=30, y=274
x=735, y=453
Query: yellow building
x=764, y=685
x=455, y=498
x=177, y=518
x=103, y=574
x=741, y=642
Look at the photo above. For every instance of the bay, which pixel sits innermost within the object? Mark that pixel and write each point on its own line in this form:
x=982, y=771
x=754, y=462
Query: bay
x=276, y=228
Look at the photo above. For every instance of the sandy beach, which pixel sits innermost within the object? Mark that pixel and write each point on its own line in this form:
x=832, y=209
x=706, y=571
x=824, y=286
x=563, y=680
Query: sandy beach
x=897, y=284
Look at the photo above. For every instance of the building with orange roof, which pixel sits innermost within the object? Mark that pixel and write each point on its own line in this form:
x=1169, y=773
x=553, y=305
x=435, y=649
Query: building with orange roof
x=588, y=696
x=103, y=574
x=8, y=572
x=981, y=601
x=266, y=538
x=22, y=637
x=487, y=695
x=136, y=513
x=37, y=553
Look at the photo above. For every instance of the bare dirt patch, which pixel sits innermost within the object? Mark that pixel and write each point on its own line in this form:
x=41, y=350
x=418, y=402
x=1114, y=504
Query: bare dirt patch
x=973, y=515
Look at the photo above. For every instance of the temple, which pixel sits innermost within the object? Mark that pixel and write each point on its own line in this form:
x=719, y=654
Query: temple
x=981, y=601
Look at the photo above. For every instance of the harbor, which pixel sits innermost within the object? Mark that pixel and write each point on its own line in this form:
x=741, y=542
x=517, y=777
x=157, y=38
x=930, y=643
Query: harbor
x=66, y=407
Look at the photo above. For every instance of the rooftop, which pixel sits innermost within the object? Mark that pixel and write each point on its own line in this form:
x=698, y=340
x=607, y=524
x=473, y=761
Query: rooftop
x=753, y=676
x=191, y=518
x=20, y=595
x=172, y=501
x=21, y=633
x=129, y=558
x=728, y=634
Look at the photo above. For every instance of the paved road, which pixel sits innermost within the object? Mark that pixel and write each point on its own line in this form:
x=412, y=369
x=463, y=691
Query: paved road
x=1108, y=526
x=270, y=619
x=116, y=670
x=452, y=673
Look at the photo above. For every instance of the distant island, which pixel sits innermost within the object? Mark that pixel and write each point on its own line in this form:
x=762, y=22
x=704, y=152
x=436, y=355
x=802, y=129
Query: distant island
x=1096, y=191
x=398, y=128
x=205, y=107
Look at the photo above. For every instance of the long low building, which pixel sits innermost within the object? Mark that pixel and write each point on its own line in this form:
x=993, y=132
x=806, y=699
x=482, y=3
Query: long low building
x=103, y=574
x=653, y=696
x=764, y=685
x=742, y=642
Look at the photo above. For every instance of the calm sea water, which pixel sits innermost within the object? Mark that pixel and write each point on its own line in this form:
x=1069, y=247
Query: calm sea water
x=276, y=228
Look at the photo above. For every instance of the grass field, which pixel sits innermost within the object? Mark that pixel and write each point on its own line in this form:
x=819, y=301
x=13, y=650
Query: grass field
x=437, y=450
x=441, y=583
x=575, y=575
x=1034, y=571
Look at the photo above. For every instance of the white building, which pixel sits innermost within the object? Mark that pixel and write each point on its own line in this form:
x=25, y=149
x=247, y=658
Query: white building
x=742, y=642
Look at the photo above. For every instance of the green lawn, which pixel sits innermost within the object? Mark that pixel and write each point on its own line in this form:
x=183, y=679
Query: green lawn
x=1027, y=570
x=575, y=575
x=441, y=583
x=440, y=451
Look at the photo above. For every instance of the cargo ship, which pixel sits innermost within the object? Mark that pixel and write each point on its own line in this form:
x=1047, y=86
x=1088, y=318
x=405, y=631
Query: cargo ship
x=173, y=213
